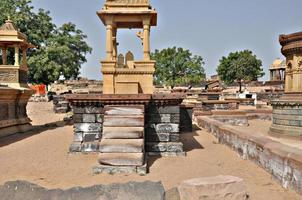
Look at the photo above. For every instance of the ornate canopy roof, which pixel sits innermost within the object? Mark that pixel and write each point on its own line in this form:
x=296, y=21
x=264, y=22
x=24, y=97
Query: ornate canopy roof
x=10, y=35
x=278, y=64
x=291, y=43
x=128, y=13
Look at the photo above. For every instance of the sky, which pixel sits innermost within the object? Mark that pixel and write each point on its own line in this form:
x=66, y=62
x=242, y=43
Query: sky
x=209, y=28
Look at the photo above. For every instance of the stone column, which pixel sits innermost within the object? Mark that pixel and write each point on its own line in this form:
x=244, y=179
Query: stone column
x=146, y=41
x=109, y=42
x=17, y=56
x=4, y=56
x=24, y=59
x=114, y=54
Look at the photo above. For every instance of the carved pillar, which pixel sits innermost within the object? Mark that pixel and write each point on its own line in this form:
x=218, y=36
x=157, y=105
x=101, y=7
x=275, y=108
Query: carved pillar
x=114, y=54
x=109, y=42
x=24, y=59
x=17, y=56
x=4, y=56
x=146, y=41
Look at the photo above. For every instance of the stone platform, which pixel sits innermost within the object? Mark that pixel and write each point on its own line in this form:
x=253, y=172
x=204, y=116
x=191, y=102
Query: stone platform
x=118, y=128
x=13, y=116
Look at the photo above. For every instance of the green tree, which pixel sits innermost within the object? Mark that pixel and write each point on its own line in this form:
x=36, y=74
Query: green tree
x=59, y=50
x=240, y=66
x=176, y=66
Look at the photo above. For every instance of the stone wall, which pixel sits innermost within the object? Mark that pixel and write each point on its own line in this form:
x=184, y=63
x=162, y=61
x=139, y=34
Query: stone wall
x=60, y=104
x=163, y=130
x=284, y=163
x=88, y=123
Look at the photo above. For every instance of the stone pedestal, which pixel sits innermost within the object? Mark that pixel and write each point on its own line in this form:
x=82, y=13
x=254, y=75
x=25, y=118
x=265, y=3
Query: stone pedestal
x=13, y=116
x=287, y=116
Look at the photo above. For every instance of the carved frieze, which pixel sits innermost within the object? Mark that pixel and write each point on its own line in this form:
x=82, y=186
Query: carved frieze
x=8, y=76
x=127, y=2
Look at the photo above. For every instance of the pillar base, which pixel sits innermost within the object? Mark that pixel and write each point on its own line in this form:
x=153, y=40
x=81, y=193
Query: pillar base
x=287, y=116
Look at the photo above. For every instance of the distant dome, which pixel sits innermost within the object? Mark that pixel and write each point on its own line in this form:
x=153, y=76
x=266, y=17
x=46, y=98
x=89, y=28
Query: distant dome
x=278, y=63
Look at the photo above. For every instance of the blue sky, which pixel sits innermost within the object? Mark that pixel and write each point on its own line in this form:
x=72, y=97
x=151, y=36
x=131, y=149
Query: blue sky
x=209, y=28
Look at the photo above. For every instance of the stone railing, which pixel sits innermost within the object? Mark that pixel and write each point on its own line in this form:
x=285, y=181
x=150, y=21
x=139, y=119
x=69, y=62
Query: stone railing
x=128, y=2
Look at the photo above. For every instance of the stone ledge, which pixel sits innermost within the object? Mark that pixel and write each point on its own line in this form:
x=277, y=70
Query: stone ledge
x=282, y=161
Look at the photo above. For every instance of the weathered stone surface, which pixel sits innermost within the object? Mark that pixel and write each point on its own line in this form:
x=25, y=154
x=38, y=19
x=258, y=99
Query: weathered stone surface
x=21, y=190
x=124, y=110
x=90, y=147
x=122, y=159
x=99, y=118
x=122, y=145
x=89, y=118
x=78, y=137
x=218, y=188
x=164, y=110
x=159, y=118
x=75, y=147
x=77, y=118
x=124, y=121
x=123, y=132
x=93, y=110
x=141, y=170
x=90, y=137
x=87, y=127
x=164, y=147
x=160, y=137
x=164, y=128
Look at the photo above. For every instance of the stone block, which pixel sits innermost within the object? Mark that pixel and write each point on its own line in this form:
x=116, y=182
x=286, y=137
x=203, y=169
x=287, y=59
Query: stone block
x=218, y=188
x=124, y=121
x=93, y=110
x=99, y=118
x=75, y=147
x=90, y=137
x=164, y=110
x=159, y=118
x=164, y=128
x=158, y=137
x=122, y=159
x=77, y=118
x=89, y=118
x=124, y=110
x=78, y=110
x=87, y=127
x=78, y=137
x=123, y=132
x=90, y=147
x=122, y=145
x=174, y=137
x=164, y=147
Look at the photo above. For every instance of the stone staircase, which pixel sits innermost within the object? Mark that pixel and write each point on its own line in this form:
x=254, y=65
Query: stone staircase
x=122, y=145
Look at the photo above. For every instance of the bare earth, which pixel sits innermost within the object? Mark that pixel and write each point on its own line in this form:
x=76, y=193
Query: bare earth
x=43, y=158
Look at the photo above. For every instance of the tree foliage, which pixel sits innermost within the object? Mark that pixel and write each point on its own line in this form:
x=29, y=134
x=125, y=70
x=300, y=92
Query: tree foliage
x=176, y=66
x=59, y=50
x=240, y=66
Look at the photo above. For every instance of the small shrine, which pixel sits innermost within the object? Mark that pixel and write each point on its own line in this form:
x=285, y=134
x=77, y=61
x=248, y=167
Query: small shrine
x=14, y=91
x=124, y=74
x=277, y=70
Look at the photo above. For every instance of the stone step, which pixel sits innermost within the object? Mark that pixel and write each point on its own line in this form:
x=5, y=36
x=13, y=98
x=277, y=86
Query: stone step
x=122, y=159
x=123, y=132
x=122, y=146
x=124, y=110
x=124, y=121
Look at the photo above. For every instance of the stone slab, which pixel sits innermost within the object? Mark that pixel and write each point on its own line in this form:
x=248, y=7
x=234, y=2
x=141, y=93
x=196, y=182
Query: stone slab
x=218, y=188
x=123, y=132
x=124, y=121
x=21, y=190
x=164, y=110
x=141, y=170
x=89, y=118
x=122, y=159
x=124, y=110
x=122, y=145
x=87, y=147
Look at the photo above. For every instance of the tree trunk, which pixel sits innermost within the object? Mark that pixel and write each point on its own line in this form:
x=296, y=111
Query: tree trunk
x=240, y=87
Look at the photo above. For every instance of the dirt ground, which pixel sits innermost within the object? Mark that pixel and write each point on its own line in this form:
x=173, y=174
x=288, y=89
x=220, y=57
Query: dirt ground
x=42, y=158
